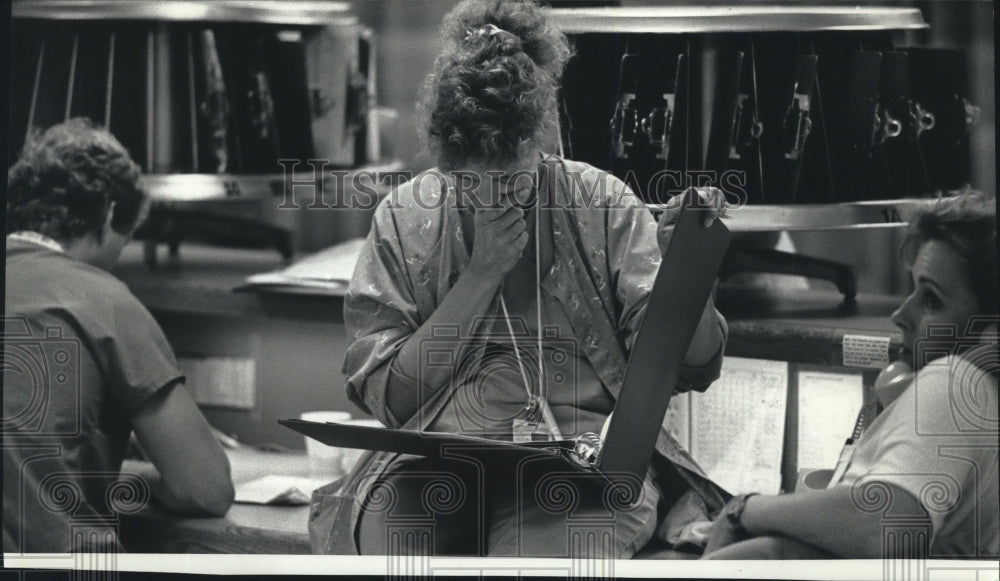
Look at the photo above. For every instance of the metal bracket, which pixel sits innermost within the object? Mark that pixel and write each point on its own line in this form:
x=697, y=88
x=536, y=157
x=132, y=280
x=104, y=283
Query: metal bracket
x=745, y=130
x=884, y=127
x=797, y=114
x=624, y=125
x=657, y=124
x=921, y=119
x=972, y=113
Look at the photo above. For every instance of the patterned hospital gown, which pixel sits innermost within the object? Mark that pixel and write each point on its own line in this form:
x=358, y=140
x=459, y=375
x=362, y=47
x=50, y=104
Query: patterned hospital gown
x=605, y=258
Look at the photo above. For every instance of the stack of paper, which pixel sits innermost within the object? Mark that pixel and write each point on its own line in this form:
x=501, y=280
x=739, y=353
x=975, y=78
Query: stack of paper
x=275, y=489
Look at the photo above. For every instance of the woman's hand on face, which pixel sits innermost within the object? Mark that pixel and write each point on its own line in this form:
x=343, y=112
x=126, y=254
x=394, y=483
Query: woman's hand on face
x=499, y=240
x=711, y=202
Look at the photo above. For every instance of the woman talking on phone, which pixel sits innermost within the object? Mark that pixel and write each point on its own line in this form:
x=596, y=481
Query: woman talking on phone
x=922, y=479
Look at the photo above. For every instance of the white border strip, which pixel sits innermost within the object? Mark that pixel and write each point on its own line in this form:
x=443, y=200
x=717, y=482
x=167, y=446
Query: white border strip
x=935, y=570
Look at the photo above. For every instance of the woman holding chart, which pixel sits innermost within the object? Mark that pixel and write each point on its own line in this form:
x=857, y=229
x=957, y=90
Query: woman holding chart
x=498, y=296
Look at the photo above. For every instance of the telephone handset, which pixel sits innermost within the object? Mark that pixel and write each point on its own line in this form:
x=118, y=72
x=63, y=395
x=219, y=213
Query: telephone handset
x=891, y=382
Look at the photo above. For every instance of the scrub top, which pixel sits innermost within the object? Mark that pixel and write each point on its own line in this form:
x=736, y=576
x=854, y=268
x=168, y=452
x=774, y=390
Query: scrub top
x=81, y=355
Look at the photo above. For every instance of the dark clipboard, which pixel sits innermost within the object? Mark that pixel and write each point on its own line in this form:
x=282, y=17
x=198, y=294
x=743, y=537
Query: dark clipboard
x=682, y=287
x=429, y=444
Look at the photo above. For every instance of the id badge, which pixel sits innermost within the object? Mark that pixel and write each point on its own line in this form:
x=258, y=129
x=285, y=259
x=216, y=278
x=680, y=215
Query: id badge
x=530, y=431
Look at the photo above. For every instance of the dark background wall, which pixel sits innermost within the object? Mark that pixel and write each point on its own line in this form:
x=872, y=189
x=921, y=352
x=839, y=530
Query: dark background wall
x=407, y=32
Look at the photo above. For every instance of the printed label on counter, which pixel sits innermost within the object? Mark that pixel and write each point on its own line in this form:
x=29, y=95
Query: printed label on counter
x=866, y=351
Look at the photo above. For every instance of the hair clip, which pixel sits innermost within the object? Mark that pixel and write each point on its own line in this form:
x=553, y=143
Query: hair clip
x=490, y=29
x=485, y=30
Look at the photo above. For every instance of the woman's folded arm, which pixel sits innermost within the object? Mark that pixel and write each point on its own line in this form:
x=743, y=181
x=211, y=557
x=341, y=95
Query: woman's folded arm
x=835, y=520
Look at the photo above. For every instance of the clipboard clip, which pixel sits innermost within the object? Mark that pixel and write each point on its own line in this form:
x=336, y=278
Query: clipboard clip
x=587, y=447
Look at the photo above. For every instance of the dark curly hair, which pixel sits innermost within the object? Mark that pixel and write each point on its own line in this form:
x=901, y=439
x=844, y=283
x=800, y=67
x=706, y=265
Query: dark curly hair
x=494, y=87
x=66, y=179
x=967, y=222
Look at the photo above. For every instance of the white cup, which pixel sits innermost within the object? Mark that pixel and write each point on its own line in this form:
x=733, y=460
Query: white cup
x=324, y=461
x=350, y=456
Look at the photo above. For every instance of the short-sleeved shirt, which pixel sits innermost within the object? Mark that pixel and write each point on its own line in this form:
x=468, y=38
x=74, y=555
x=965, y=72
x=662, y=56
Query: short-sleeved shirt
x=81, y=355
x=938, y=442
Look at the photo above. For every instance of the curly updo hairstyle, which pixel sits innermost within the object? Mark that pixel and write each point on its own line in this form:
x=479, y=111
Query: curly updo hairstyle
x=66, y=179
x=967, y=222
x=494, y=88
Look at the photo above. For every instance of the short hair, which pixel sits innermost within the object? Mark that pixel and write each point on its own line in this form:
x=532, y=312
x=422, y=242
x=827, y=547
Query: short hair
x=67, y=177
x=494, y=87
x=967, y=222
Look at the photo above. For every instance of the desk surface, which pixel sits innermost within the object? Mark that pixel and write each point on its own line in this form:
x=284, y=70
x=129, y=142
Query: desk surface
x=203, y=281
x=805, y=326
x=246, y=528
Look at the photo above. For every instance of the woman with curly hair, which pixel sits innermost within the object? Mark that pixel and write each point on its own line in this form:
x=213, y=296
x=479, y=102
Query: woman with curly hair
x=85, y=364
x=922, y=480
x=498, y=295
